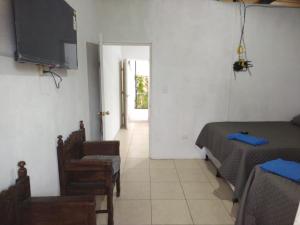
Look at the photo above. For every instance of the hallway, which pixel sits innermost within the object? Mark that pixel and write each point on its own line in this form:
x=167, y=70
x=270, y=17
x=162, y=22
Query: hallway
x=166, y=191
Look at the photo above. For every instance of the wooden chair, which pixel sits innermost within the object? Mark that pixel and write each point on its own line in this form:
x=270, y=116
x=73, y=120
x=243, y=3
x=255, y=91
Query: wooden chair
x=89, y=168
x=17, y=207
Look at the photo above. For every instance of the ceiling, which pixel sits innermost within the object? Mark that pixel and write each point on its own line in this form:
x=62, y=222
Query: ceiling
x=286, y=3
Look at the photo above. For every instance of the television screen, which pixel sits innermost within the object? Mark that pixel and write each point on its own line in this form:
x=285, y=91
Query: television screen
x=46, y=33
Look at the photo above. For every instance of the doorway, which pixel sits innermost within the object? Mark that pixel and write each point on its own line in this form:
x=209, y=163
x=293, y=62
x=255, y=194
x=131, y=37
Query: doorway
x=127, y=70
x=135, y=84
x=138, y=86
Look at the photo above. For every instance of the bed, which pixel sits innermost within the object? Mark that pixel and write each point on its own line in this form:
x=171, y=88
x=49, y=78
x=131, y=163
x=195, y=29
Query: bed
x=235, y=160
x=269, y=200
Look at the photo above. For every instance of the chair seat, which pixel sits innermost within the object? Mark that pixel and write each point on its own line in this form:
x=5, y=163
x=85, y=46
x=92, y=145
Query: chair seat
x=116, y=160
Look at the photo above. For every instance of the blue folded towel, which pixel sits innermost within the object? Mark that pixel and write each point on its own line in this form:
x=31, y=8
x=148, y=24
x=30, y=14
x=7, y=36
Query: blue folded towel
x=288, y=169
x=248, y=139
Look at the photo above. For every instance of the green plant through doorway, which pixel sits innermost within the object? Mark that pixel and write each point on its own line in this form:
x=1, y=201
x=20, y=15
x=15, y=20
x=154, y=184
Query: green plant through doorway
x=142, y=92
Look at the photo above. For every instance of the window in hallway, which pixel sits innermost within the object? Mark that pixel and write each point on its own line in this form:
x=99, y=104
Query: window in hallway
x=142, y=90
x=138, y=89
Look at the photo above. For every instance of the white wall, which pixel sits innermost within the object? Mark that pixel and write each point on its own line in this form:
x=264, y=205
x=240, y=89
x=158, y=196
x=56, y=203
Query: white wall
x=34, y=112
x=112, y=56
x=193, y=47
x=136, y=52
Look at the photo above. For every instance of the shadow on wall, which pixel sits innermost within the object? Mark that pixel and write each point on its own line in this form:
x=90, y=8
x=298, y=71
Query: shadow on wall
x=7, y=37
x=13, y=68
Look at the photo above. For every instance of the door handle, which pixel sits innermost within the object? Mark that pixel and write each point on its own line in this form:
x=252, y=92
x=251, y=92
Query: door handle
x=104, y=113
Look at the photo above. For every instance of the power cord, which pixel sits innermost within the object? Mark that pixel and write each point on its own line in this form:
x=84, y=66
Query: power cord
x=243, y=64
x=54, y=76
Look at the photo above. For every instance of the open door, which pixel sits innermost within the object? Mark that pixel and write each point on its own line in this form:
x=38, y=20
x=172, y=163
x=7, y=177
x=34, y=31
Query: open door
x=123, y=91
x=94, y=87
x=110, y=57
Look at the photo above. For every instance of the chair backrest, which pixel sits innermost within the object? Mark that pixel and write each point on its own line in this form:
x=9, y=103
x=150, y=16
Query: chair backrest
x=71, y=148
x=12, y=198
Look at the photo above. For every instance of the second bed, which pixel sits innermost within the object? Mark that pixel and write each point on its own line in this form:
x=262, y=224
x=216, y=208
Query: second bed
x=235, y=160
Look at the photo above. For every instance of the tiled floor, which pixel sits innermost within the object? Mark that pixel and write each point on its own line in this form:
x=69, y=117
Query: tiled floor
x=166, y=191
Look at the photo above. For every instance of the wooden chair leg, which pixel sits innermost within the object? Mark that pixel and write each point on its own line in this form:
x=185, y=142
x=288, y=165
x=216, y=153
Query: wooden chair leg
x=235, y=200
x=206, y=158
x=118, y=185
x=110, y=206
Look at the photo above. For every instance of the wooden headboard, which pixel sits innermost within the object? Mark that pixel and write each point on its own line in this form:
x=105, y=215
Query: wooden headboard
x=71, y=148
x=10, y=199
x=17, y=207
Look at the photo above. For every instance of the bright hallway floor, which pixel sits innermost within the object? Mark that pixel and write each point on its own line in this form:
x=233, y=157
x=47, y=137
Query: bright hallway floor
x=166, y=191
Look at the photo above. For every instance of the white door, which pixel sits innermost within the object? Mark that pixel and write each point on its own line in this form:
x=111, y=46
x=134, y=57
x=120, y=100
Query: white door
x=110, y=57
x=94, y=91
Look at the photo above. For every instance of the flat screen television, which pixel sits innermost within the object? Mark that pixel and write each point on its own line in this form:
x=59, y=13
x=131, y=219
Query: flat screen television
x=46, y=33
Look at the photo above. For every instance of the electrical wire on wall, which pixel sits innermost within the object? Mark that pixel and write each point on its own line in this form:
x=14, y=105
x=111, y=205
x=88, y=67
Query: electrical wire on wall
x=242, y=49
x=242, y=64
x=55, y=76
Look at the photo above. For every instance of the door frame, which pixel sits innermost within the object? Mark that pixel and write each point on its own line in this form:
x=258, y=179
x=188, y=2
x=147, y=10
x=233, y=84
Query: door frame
x=123, y=94
x=148, y=44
